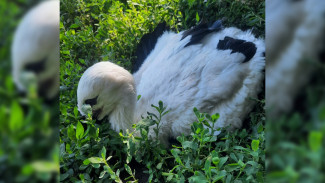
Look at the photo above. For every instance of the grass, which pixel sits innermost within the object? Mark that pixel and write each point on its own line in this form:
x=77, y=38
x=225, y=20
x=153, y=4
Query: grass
x=97, y=30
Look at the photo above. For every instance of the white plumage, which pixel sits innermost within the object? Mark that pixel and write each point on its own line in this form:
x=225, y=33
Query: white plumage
x=183, y=77
x=35, y=49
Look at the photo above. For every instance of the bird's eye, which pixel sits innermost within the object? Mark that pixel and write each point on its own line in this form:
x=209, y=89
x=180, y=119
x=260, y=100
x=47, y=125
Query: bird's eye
x=92, y=101
x=36, y=67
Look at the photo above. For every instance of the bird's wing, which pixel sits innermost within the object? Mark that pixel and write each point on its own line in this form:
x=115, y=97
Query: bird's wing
x=146, y=45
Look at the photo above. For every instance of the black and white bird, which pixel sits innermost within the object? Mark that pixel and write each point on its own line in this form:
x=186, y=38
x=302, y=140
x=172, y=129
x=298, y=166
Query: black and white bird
x=212, y=68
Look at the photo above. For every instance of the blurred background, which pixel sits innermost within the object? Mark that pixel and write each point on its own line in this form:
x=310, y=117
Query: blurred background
x=29, y=52
x=295, y=90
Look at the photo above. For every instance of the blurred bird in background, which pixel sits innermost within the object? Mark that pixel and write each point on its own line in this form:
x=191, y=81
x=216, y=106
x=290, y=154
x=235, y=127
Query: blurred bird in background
x=294, y=41
x=35, y=50
x=295, y=92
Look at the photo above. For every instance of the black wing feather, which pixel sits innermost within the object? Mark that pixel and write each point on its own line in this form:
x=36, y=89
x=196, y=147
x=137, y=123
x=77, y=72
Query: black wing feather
x=237, y=45
x=200, y=31
x=146, y=45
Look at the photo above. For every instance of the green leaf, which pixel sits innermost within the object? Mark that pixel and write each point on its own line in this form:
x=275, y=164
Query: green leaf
x=241, y=164
x=169, y=178
x=215, y=117
x=161, y=105
x=66, y=52
x=103, y=152
x=75, y=112
x=198, y=177
x=219, y=175
x=233, y=156
x=28, y=169
x=63, y=176
x=128, y=169
x=159, y=165
x=223, y=160
x=9, y=84
x=255, y=145
x=95, y=165
x=191, y=2
x=102, y=174
x=190, y=144
x=94, y=160
x=80, y=131
x=83, y=167
x=82, y=61
x=16, y=121
x=207, y=166
x=71, y=132
x=109, y=170
x=231, y=167
x=86, y=162
x=315, y=139
x=216, y=160
x=260, y=177
x=82, y=177
x=93, y=132
x=260, y=128
x=152, y=114
x=229, y=178
x=175, y=153
x=166, y=174
x=45, y=166
x=73, y=26
x=197, y=17
x=196, y=112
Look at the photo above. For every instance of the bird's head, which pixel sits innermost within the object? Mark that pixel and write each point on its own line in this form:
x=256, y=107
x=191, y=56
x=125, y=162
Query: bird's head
x=108, y=90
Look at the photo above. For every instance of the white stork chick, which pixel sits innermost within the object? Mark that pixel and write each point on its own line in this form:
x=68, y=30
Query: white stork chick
x=214, y=69
x=35, y=50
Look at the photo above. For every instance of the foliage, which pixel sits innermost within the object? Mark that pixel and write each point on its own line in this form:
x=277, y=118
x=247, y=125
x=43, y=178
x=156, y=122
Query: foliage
x=95, y=30
x=200, y=157
x=248, y=15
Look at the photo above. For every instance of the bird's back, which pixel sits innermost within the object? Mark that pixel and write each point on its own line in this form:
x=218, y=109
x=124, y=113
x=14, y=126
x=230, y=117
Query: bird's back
x=217, y=72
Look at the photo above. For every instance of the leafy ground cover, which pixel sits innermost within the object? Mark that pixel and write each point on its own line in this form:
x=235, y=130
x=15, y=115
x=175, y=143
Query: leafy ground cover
x=91, y=31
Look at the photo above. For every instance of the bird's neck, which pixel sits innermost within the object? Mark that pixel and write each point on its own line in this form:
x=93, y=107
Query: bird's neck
x=122, y=117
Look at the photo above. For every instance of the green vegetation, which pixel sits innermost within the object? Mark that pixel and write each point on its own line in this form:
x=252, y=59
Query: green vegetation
x=95, y=30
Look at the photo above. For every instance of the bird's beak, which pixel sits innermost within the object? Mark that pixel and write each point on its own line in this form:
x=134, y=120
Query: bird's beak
x=86, y=110
x=29, y=82
x=96, y=113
